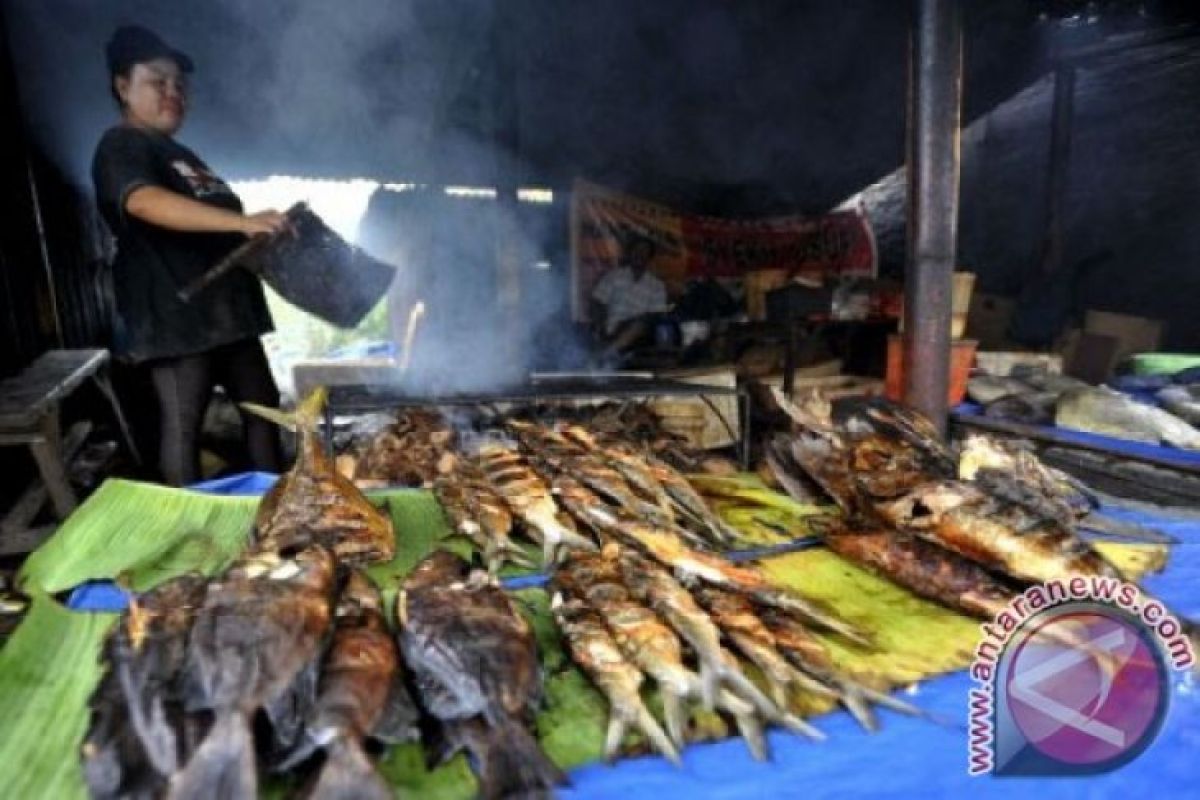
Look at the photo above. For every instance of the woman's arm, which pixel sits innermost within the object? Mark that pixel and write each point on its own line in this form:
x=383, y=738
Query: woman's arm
x=167, y=209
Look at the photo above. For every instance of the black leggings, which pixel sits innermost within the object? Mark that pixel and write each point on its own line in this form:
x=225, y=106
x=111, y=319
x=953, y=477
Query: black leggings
x=184, y=387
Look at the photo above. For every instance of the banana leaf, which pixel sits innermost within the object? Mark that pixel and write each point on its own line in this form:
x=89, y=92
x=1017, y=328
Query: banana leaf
x=146, y=534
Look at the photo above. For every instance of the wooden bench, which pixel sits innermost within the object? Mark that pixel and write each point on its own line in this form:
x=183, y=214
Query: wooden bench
x=29, y=415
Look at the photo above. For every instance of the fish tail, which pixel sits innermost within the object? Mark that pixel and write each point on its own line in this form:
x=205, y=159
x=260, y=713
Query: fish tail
x=657, y=736
x=751, y=730
x=306, y=417
x=512, y=764
x=223, y=766
x=675, y=713
x=348, y=774
x=859, y=707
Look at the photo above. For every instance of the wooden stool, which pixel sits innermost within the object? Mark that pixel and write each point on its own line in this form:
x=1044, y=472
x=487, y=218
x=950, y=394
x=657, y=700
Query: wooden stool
x=29, y=415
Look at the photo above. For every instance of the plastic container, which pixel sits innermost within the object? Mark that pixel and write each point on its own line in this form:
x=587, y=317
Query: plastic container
x=962, y=357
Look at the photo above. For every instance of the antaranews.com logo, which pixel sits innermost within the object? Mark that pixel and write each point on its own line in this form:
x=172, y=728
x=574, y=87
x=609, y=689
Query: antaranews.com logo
x=1073, y=678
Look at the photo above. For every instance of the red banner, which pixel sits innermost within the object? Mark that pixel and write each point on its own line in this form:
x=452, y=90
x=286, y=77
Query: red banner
x=835, y=245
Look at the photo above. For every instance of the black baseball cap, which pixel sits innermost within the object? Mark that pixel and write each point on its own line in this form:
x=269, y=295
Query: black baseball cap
x=134, y=44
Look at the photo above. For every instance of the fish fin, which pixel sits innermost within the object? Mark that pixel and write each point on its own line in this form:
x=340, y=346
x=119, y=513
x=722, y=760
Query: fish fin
x=288, y=710
x=348, y=774
x=223, y=766
x=308, y=744
x=511, y=762
x=398, y=723
x=306, y=417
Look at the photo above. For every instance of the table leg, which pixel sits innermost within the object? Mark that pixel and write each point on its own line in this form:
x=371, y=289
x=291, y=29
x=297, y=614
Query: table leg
x=47, y=452
x=106, y=389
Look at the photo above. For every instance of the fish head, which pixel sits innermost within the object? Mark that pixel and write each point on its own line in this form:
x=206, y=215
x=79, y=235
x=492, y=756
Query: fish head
x=439, y=568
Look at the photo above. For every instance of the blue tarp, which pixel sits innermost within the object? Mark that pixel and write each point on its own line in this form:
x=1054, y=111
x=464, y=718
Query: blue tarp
x=908, y=757
x=920, y=759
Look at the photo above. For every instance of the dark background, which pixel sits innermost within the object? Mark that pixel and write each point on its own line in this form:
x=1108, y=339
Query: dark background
x=739, y=108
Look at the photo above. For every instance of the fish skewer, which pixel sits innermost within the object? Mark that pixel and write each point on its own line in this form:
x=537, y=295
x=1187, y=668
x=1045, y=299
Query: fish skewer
x=629, y=463
x=259, y=627
x=593, y=648
x=651, y=584
x=557, y=453
x=809, y=656
x=463, y=508
x=360, y=695
x=665, y=484
x=737, y=619
x=655, y=649
x=529, y=497
x=474, y=660
x=689, y=564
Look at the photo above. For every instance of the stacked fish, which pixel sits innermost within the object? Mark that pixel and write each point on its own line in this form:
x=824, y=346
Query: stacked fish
x=508, y=483
x=405, y=451
x=640, y=589
x=415, y=446
x=294, y=634
x=969, y=529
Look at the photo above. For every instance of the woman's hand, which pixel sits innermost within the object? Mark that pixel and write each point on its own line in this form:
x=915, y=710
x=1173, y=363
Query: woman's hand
x=265, y=222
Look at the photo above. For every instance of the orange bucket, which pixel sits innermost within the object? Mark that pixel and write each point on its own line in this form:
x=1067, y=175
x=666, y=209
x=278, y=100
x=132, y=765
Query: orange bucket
x=962, y=358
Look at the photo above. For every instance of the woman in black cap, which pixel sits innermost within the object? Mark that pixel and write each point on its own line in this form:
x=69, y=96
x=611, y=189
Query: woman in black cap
x=173, y=219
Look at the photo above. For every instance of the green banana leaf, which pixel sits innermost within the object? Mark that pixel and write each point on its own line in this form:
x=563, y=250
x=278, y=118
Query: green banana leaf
x=146, y=534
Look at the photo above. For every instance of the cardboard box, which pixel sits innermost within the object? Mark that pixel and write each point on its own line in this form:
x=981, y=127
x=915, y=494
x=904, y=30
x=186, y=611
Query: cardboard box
x=1133, y=334
x=694, y=417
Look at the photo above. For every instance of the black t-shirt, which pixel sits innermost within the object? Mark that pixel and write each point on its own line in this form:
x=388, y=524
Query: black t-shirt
x=152, y=263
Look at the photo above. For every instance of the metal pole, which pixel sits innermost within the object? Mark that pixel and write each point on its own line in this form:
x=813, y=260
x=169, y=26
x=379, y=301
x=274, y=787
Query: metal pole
x=934, y=119
x=1060, y=162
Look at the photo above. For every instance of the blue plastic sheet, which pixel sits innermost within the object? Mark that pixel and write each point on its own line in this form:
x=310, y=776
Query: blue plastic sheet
x=909, y=757
x=921, y=759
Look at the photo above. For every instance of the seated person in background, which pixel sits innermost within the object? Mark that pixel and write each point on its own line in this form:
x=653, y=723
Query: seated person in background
x=626, y=299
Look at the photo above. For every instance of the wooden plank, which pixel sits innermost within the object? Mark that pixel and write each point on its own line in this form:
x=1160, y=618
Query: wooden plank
x=25, y=397
x=27, y=506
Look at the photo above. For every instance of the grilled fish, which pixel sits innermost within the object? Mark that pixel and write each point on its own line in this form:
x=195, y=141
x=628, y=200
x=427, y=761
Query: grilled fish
x=475, y=664
x=139, y=734
x=530, y=499
x=923, y=568
x=260, y=625
x=593, y=649
x=809, y=656
x=469, y=509
x=736, y=617
x=655, y=649
x=361, y=695
x=313, y=503
x=666, y=548
x=1000, y=535
x=652, y=585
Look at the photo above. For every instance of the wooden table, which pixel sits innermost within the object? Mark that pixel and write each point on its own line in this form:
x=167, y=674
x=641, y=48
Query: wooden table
x=30, y=404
